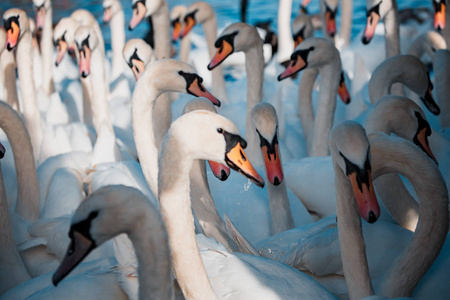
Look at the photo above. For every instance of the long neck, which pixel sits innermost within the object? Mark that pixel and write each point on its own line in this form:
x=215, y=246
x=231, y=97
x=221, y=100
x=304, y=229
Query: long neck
x=441, y=62
x=394, y=154
x=27, y=184
x=346, y=21
x=218, y=81
x=329, y=82
x=154, y=271
x=285, y=42
x=143, y=132
x=8, y=64
x=117, y=25
x=185, y=48
x=417, y=48
x=254, y=66
x=12, y=269
x=280, y=210
x=47, y=53
x=175, y=207
x=205, y=209
x=351, y=241
x=305, y=107
x=161, y=21
x=31, y=113
x=392, y=31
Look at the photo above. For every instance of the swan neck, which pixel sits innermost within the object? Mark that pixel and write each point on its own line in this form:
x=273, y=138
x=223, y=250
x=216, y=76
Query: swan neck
x=392, y=31
x=47, y=53
x=285, y=42
x=161, y=21
x=117, y=25
x=280, y=210
x=306, y=112
x=8, y=65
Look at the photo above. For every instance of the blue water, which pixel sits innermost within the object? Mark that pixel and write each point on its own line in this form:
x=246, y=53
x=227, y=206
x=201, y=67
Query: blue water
x=228, y=11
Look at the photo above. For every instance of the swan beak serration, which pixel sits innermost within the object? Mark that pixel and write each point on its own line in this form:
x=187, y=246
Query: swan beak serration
x=219, y=170
x=12, y=36
x=139, y=11
x=365, y=196
x=223, y=52
x=372, y=20
x=238, y=161
x=80, y=246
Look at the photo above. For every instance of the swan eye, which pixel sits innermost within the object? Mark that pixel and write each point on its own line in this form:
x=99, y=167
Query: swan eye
x=219, y=130
x=181, y=73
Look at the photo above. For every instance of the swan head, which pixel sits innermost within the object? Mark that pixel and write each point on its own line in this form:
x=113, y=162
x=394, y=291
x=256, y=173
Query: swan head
x=330, y=10
x=302, y=28
x=206, y=135
x=41, y=7
x=400, y=115
x=110, y=8
x=350, y=152
x=108, y=212
x=2, y=151
x=143, y=9
x=170, y=75
x=138, y=55
x=177, y=19
x=86, y=42
x=16, y=24
x=439, y=14
x=376, y=10
x=220, y=171
x=197, y=13
x=64, y=37
x=236, y=37
x=311, y=53
x=265, y=119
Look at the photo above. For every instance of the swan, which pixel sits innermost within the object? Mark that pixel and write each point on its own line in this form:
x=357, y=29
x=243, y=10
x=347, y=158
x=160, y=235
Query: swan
x=138, y=55
x=202, y=13
x=243, y=37
x=176, y=17
x=441, y=63
x=427, y=42
x=8, y=69
x=328, y=10
x=44, y=23
x=113, y=13
x=321, y=54
x=173, y=76
x=439, y=14
x=406, y=272
x=285, y=43
x=408, y=70
x=12, y=269
x=386, y=11
x=18, y=35
x=302, y=28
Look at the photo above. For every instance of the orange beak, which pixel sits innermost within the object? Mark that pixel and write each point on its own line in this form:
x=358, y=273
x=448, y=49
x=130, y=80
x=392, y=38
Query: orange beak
x=439, y=16
x=294, y=67
x=330, y=23
x=139, y=11
x=272, y=161
x=61, y=49
x=298, y=40
x=237, y=160
x=85, y=62
x=176, y=30
x=223, y=52
x=188, y=25
x=107, y=14
x=365, y=198
x=12, y=36
x=79, y=248
x=138, y=68
x=196, y=88
x=40, y=17
x=343, y=92
x=219, y=170
x=421, y=140
x=369, y=31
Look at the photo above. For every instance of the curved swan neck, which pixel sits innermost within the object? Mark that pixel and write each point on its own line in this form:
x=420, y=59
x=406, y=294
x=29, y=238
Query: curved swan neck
x=143, y=132
x=351, y=241
x=175, y=207
x=392, y=31
x=117, y=25
x=31, y=113
x=47, y=53
x=161, y=21
x=280, y=210
x=154, y=271
x=27, y=184
x=430, y=188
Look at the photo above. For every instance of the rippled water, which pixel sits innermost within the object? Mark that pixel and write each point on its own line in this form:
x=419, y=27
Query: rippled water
x=227, y=11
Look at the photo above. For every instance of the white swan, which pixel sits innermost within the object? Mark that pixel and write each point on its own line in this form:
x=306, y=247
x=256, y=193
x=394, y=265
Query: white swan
x=321, y=54
x=427, y=42
x=202, y=13
x=176, y=18
x=113, y=13
x=243, y=37
x=44, y=23
x=328, y=10
x=138, y=55
x=18, y=35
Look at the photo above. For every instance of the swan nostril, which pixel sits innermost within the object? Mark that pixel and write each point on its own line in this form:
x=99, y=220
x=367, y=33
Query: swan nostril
x=372, y=217
x=276, y=181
